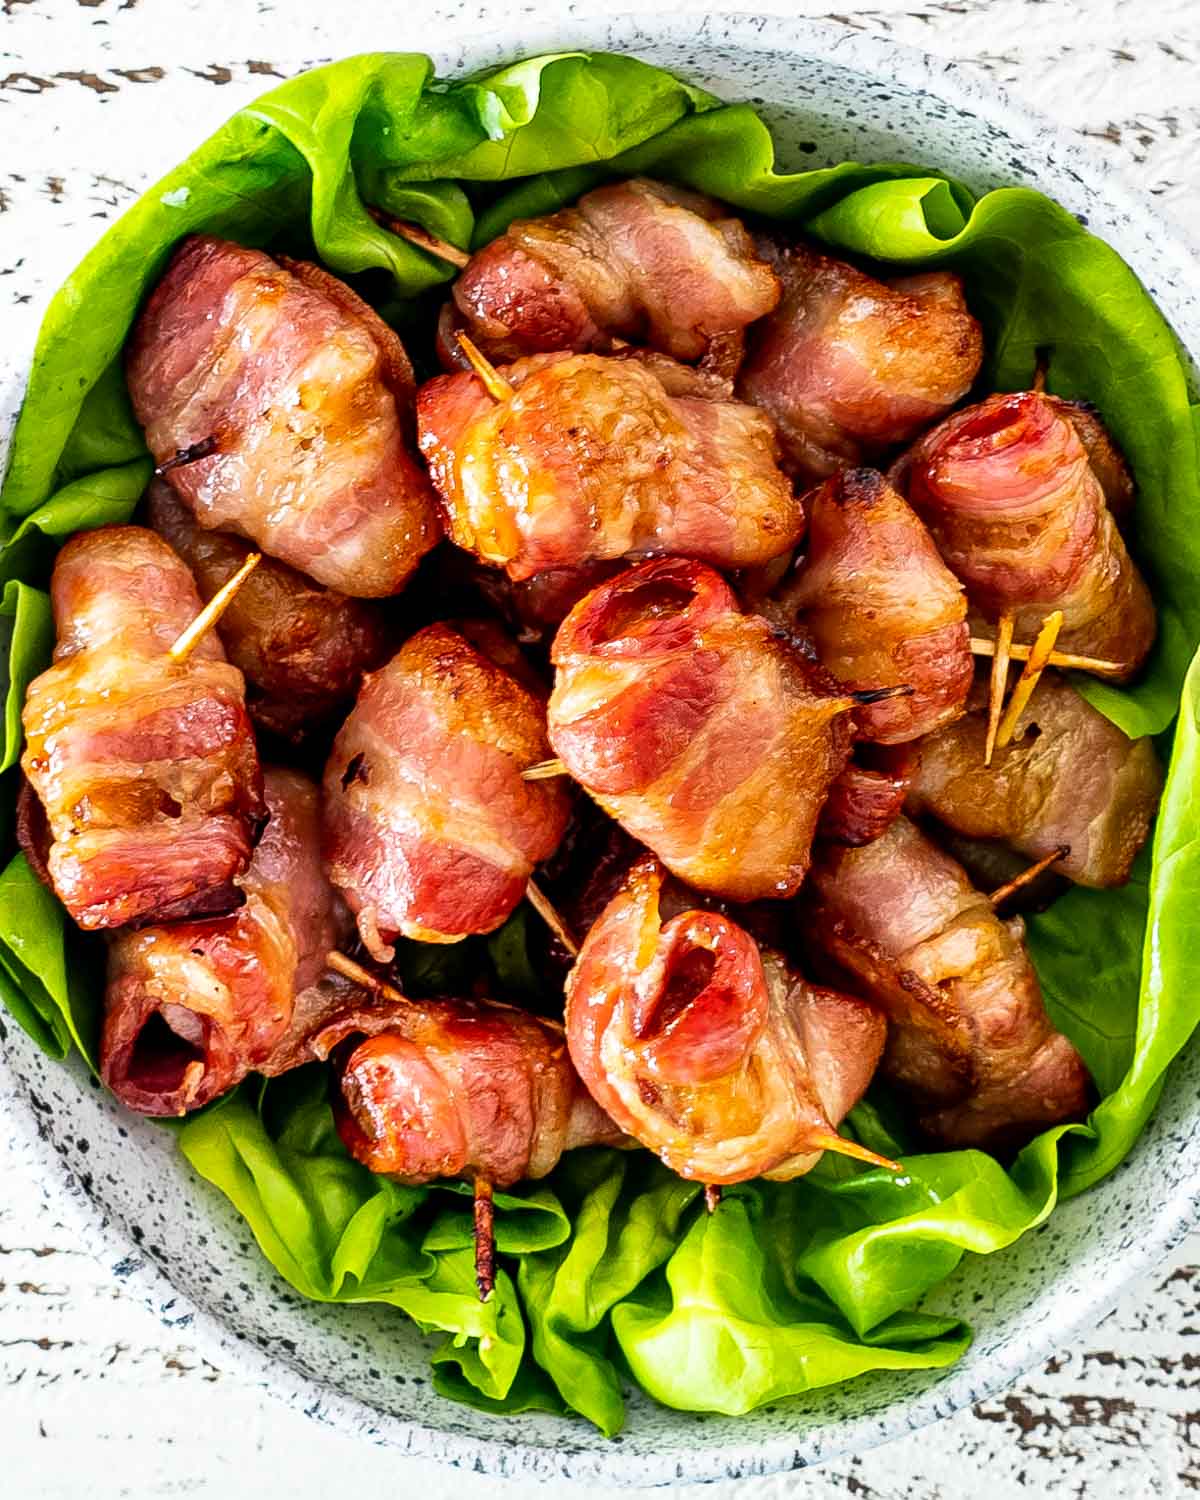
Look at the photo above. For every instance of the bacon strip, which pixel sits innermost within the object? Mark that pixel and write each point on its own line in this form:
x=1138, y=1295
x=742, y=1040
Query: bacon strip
x=1069, y=776
x=713, y=1055
x=297, y=396
x=970, y=1040
x=1016, y=510
x=1105, y=459
x=193, y=1007
x=145, y=767
x=865, y=801
x=636, y=260
x=302, y=648
x=430, y=830
x=597, y=458
x=702, y=732
x=850, y=366
x=456, y=1088
x=882, y=608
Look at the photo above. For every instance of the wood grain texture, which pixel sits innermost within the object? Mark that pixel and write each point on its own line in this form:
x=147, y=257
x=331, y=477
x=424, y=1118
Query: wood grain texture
x=100, y=1395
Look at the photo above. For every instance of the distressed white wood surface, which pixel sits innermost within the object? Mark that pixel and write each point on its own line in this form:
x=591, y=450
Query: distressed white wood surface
x=100, y=1397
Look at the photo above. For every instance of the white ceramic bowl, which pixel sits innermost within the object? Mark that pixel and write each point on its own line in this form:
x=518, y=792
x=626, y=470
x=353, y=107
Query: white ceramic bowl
x=364, y=1369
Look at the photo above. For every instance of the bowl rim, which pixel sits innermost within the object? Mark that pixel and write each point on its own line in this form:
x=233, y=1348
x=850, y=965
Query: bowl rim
x=597, y=1459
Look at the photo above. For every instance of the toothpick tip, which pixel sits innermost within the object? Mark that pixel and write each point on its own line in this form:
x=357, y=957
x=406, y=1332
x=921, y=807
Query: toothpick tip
x=831, y=1141
x=544, y=907
x=348, y=969
x=497, y=387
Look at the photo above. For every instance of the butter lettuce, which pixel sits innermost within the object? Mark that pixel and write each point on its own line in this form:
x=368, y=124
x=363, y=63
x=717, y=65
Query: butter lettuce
x=612, y=1267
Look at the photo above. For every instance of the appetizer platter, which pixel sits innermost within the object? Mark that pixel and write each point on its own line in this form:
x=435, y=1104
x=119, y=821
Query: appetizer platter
x=588, y=717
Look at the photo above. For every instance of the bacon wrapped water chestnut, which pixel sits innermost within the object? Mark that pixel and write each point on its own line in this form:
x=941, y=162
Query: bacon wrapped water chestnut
x=279, y=405
x=192, y=1007
x=430, y=829
x=880, y=606
x=1019, y=514
x=707, y=1050
x=634, y=260
x=456, y=1088
x=702, y=731
x=302, y=648
x=593, y=458
x=145, y=766
x=850, y=367
x=969, y=1039
x=1068, y=779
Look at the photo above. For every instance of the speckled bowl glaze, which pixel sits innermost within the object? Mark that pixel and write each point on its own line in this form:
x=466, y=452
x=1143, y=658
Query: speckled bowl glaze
x=829, y=94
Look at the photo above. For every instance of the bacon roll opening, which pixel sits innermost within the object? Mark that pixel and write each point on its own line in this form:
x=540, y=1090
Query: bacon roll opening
x=867, y=798
x=712, y=1054
x=850, y=366
x=430, y=829
x=279, y=404
x=633, y=260
x=969, y=1038
x=595, y=458
x=1008, y=492
x=192, y=1007
x=704, y=734
x=145, y=767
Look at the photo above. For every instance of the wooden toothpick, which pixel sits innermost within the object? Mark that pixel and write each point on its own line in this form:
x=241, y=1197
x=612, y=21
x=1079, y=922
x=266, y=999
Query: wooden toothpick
x=1031, y=673
x=544, y=770
x=1004, y=634
x=982, y=646
x=497, y=387
x=545, y=909
x=346, y=967
x=421, y=238
x=823, y=1140
x=485, y=1238
x=1018, y=882
x=187, y=641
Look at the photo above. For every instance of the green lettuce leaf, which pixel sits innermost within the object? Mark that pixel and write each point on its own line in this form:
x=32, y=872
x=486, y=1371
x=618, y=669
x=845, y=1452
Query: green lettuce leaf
x=724, y=1328
x=338, y=1233
x=26, y=640
x=612, y=1266
x=50, y=979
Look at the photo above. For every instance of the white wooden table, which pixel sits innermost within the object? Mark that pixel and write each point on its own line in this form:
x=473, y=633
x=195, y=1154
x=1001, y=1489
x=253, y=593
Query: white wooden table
x=97, y=97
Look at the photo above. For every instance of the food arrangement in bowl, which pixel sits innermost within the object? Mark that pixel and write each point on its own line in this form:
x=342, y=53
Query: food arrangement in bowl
x=591, y=715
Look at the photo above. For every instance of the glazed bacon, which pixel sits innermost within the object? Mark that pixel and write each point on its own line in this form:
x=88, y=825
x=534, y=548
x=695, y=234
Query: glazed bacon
x=698, y=728
x=457, y=1088
x=1069, y=777
x=302, y=648
x=635, y=260
x=881, y=607
x=1016, y=510
x=279, y=402
x=596, y=458
x=865, y=800
x=192, y=1007
x=145, y=767
x=710, y=1053
x=849, y=366
x=1105, y=459
x=969, y=1039
x=430, y=830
